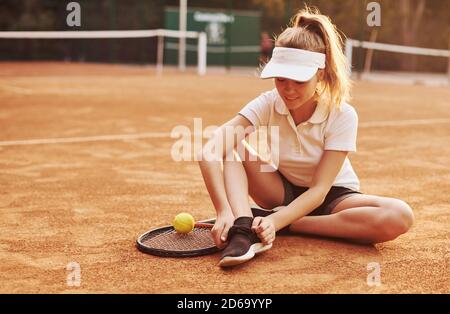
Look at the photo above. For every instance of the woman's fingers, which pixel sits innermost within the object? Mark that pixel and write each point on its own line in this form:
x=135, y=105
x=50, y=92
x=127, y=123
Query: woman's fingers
x=265, y=229
x=256, y=223
x=267, y=232
x=217, y=234
x=267, y=240
x=264, y=225
x=224, y=234
x=268, y=236
x=220, y=234
x=260, y=224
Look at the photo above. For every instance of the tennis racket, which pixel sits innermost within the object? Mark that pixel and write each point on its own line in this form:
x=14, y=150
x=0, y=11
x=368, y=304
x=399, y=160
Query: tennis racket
x=165, y=241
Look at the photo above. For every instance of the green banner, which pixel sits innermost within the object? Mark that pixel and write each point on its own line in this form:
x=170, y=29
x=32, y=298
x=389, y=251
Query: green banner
x=233, y=36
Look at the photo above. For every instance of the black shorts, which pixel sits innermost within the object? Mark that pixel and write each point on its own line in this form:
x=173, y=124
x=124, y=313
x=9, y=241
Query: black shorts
x=291, y=192
x=333, y=197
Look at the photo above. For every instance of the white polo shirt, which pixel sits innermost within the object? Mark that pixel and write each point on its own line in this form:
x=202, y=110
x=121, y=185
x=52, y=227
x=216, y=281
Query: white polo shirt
x=301, y=147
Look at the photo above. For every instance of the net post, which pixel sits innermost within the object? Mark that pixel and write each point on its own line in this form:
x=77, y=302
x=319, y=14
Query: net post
x=202, y=42
x=160, y=54
x=348, y=54
x=448, y=64
x=369, y=54
x=182, y=39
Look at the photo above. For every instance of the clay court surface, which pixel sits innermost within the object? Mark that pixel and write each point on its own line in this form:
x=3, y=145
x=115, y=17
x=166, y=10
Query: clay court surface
x=86, y=201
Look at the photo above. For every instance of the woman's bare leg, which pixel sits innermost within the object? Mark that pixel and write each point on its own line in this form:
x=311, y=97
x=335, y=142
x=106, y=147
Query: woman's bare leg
x=243, y=177
x=360, y=218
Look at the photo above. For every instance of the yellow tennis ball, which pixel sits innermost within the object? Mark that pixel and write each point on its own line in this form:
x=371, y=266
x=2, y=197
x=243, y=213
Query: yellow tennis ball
x=183, y=223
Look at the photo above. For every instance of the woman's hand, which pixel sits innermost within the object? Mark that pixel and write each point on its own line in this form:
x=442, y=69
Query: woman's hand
x=220, y=230
x=265, y=229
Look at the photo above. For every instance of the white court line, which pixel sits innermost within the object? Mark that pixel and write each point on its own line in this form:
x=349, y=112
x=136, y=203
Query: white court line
x=371, y=124
x=16, y=89
x=84, y=139
x=124, y=137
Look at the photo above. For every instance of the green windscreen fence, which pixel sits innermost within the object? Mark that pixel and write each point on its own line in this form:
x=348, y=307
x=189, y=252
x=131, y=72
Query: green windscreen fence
x=233, y=36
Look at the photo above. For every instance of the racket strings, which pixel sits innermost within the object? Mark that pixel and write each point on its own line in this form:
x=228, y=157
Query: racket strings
x=197, y=239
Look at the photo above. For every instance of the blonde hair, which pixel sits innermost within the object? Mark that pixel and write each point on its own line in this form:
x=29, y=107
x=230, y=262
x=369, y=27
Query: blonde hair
x=315, y=32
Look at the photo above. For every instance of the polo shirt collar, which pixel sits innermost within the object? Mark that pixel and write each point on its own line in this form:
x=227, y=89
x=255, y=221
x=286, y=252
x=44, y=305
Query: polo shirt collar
x=319, y=115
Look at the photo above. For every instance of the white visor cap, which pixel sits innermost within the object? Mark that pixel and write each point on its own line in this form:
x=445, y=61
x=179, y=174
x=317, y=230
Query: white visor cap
x=295, y=64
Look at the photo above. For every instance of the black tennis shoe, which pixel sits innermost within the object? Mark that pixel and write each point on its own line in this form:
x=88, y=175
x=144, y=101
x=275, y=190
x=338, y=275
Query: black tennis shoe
x=243, y=243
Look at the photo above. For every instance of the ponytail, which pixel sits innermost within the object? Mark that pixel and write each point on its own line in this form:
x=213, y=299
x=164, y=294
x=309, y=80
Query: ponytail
x=315, y=32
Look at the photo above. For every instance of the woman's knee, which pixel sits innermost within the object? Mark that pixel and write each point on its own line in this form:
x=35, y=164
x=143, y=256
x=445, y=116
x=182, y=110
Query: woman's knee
x=396, y=218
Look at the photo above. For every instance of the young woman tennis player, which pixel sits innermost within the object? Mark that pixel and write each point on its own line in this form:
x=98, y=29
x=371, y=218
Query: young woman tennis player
x=314, y=188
